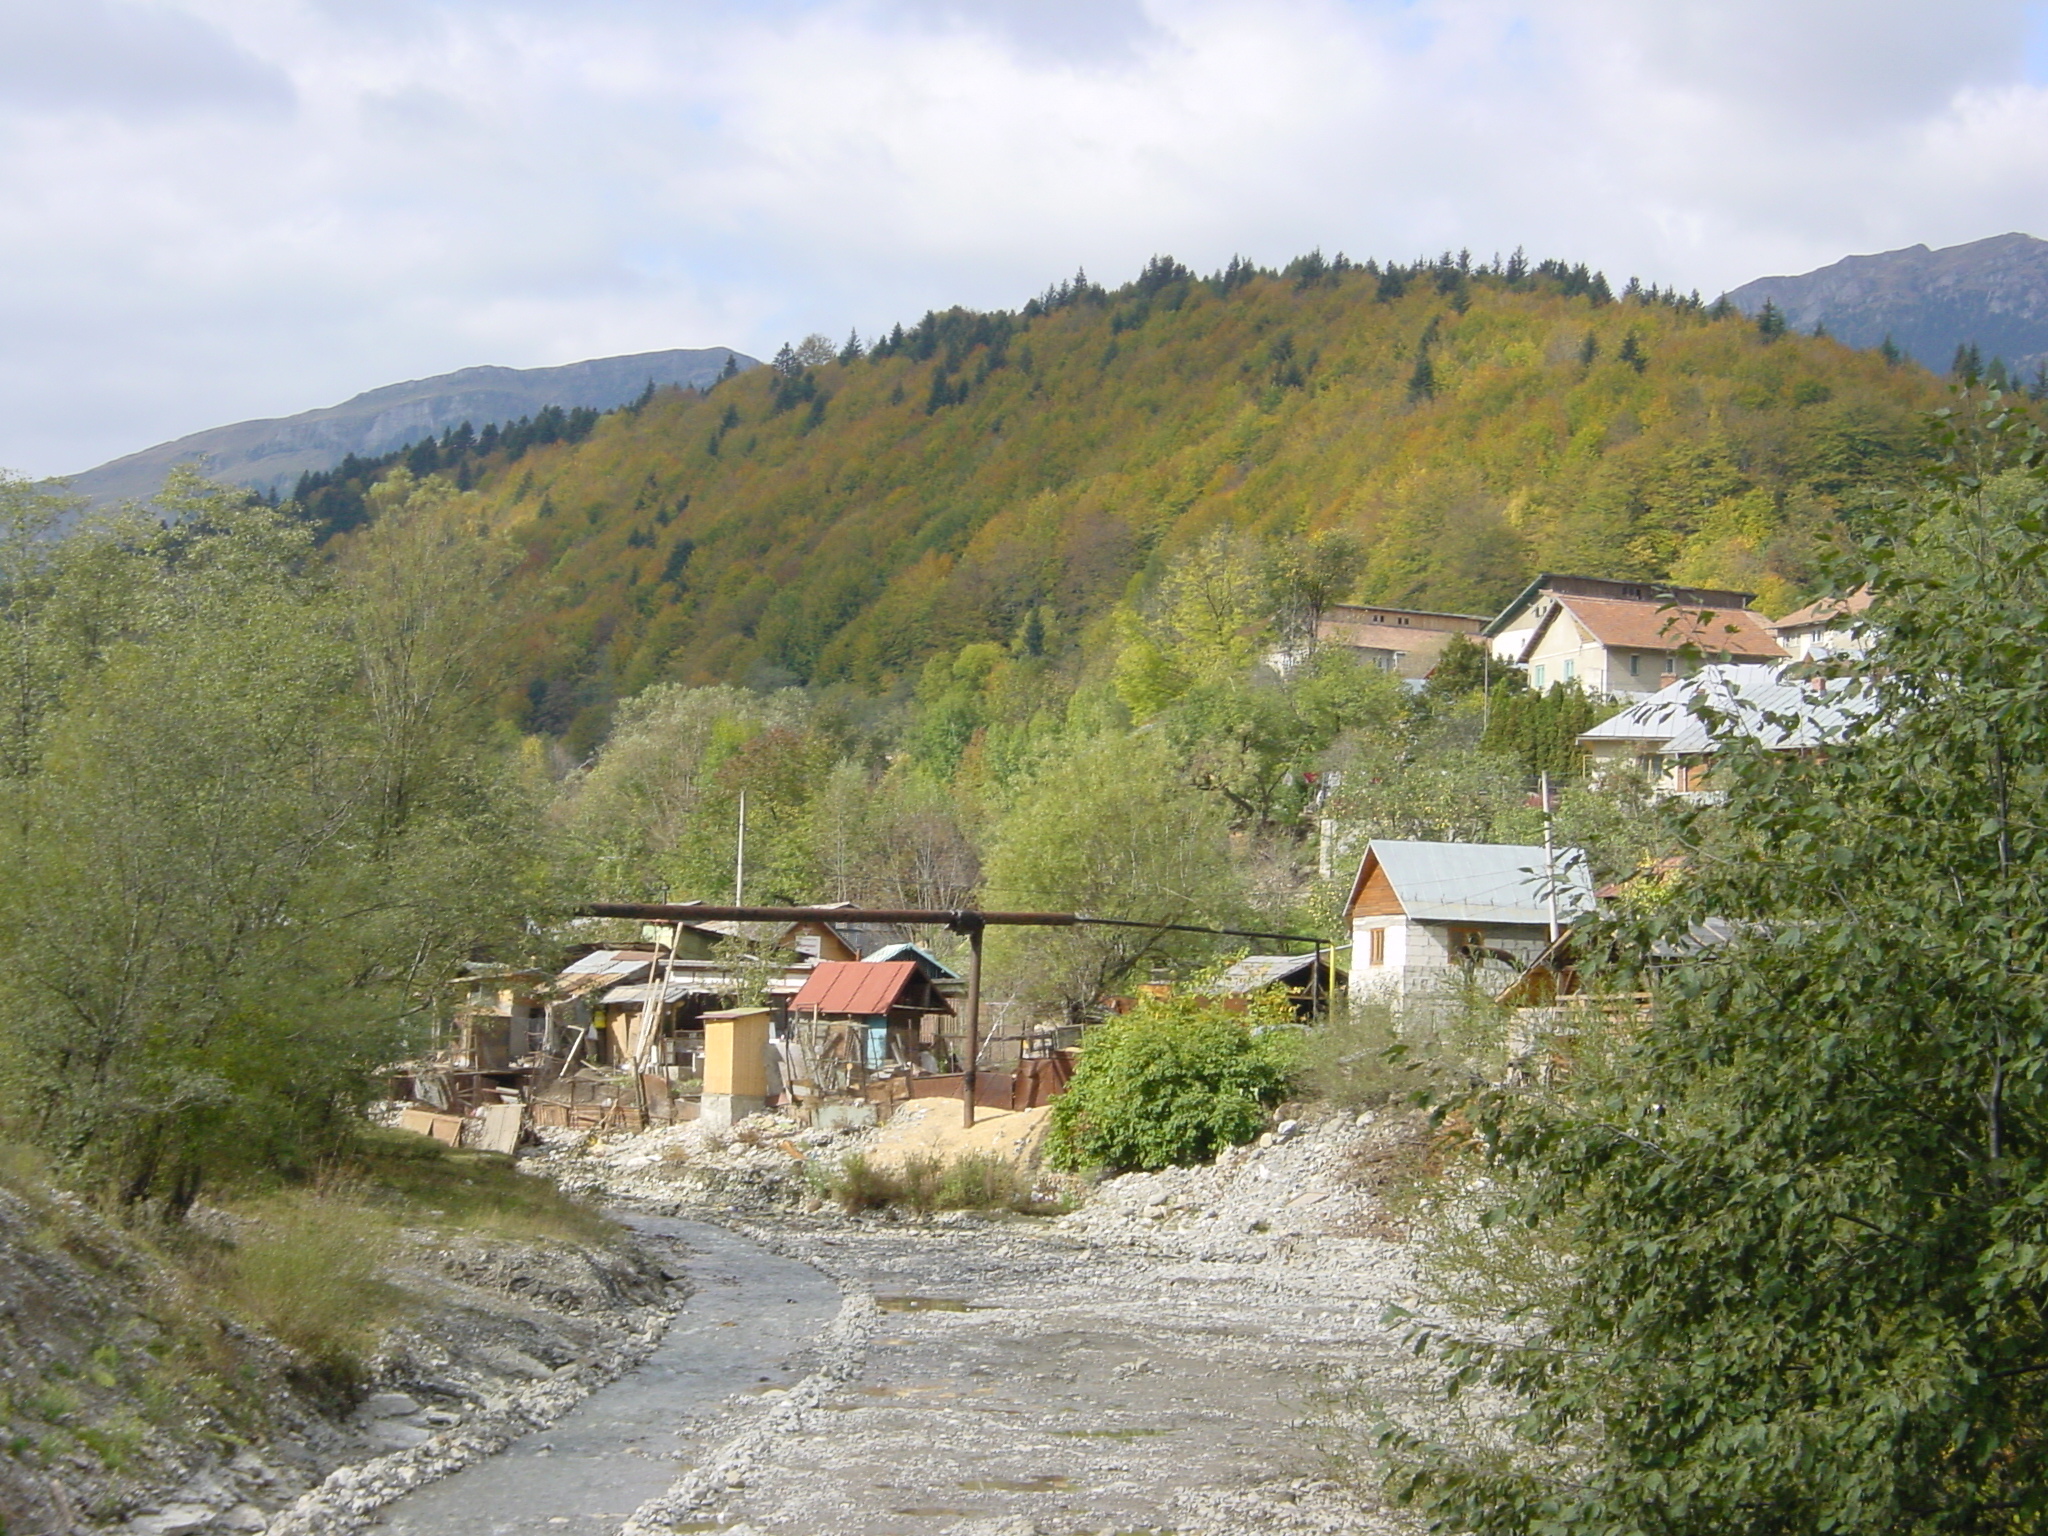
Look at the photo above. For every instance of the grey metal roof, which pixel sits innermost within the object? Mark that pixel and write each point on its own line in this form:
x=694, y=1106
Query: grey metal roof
x=1482, y=882
x=1256, y=971
x=923, y=959
x=1769, y=704
x=673, y=991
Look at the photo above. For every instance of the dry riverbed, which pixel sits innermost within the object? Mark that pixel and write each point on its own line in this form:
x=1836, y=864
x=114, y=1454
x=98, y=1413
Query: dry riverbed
x=1159, y=1360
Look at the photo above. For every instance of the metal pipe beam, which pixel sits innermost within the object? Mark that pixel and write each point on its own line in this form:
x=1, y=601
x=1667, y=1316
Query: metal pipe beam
x=960, y=920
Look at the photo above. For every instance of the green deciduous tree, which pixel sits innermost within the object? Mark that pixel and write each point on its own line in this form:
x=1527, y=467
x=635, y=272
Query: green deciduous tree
x=1109, y=828
x=214, y=929
x=1796, y=1219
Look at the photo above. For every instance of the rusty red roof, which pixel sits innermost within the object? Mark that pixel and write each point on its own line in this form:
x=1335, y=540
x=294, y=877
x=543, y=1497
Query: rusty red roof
x=855, y=986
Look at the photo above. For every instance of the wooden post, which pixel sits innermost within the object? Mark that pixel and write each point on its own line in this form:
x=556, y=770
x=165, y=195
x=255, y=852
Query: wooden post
x=973, y=1025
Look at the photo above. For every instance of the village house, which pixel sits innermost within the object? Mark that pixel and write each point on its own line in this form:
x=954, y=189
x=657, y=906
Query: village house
x=1615, y=646
x=1822, y=628
x=1670, y=739
x=1625, y=636
x=1425, y=916
x=1404, y=641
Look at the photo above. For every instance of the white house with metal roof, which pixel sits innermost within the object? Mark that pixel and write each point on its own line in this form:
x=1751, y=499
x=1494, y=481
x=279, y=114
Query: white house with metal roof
x=1424, y=915
x=1671, y=737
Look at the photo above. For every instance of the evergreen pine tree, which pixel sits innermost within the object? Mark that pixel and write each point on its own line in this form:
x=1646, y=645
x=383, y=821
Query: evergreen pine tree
x=1632, y=352
x=1770, y=321
x=1890, y=352
x=1422, y=382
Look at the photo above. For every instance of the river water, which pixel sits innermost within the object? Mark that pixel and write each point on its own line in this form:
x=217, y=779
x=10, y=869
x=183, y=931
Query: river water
x=744, y=1328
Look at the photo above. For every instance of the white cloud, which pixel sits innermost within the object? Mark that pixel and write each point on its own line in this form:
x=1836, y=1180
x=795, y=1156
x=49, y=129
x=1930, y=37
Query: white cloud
x=212, y=209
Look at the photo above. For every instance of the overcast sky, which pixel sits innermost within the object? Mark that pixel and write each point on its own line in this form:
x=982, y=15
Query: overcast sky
x=219, y=209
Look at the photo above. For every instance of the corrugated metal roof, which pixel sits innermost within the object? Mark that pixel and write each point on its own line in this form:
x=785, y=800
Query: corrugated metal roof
x=672, y=991
x=1256, y=971
x=602, y=968
x=608, y=962
x=855, y=986
x=1482, y=882
x=1766, y=704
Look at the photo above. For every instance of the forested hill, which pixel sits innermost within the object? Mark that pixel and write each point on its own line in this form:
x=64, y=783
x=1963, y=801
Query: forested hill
x=987, y=474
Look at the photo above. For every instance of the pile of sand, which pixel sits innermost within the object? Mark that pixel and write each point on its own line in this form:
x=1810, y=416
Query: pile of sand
x=932, y=1127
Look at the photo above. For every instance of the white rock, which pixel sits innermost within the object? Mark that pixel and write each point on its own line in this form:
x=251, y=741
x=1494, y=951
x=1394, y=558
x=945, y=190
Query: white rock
x=245, y=1517
x=172, y=1520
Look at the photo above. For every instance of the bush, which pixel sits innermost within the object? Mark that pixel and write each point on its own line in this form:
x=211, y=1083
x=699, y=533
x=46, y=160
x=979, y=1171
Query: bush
x=1174, y=1081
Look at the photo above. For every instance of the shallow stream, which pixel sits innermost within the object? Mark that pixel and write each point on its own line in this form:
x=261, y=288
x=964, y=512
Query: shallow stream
x=744, y=1328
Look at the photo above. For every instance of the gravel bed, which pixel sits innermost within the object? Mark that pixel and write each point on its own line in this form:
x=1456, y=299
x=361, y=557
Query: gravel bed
x=1163, y=1358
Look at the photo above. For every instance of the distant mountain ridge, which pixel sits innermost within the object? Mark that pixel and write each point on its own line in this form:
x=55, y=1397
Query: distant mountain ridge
x=1991, y=293
x=271, y=454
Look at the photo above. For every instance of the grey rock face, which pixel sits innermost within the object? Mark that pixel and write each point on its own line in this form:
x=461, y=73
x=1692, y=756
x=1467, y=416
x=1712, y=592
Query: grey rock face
x=1993, y=293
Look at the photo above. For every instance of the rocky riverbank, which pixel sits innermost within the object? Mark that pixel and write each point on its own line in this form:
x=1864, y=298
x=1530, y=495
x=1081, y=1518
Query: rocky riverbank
x=132, y=1402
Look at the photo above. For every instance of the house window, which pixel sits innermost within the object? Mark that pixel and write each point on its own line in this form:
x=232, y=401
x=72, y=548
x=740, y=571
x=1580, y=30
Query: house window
x=1536, y=674
x=1634, y=664
x=1376, y=946
x=1400, y=621
x=1571, y=670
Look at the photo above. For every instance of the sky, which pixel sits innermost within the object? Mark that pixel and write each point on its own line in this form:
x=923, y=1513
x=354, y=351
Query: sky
x=212, y=210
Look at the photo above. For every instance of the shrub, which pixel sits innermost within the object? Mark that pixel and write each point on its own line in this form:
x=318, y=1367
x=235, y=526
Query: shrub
x=1174, y=1081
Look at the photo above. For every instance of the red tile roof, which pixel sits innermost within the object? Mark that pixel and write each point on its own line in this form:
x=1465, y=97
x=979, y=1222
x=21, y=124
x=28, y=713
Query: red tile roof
x=855, y=986
x=1652, y=626
x=1825, y=611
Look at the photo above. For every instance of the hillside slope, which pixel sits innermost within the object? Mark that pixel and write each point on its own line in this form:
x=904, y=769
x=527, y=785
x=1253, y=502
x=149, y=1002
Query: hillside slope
x=1989, y=293
x=986, y=472
x=269, y=455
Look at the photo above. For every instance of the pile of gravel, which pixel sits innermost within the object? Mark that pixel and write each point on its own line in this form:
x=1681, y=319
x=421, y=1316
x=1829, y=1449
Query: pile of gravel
x=1304, y=1182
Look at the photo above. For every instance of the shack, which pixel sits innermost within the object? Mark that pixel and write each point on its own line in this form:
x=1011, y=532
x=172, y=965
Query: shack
x=1311, y=982
x=862, y=1017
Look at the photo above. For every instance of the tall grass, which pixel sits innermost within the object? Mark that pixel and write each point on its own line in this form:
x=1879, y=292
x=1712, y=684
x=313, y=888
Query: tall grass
x=925, y=1182
x=305, y=1268
x=306, y=1262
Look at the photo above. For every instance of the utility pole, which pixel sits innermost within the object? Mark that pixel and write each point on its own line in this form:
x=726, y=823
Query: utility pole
x=974, y=932
x=1549, y=859
x=739, y=863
